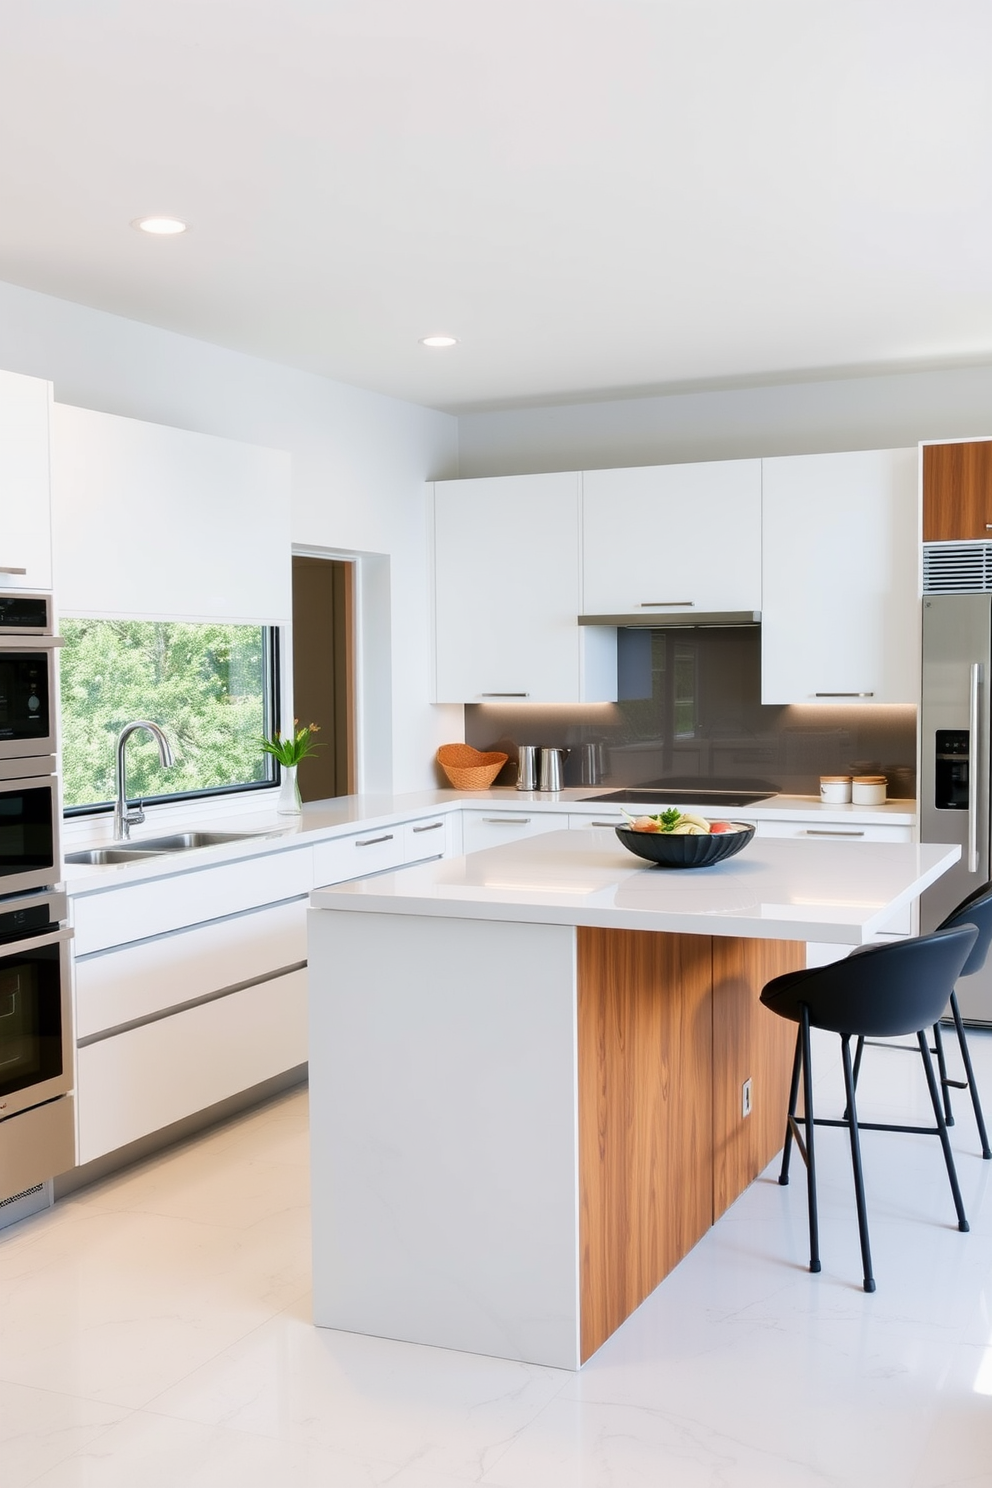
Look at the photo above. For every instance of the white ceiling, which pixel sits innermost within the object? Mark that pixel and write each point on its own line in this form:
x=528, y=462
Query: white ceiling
x=595, y=196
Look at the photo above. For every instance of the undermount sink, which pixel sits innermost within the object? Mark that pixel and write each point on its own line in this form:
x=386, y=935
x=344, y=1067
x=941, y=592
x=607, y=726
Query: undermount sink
x=155, y=847
x=102, y=857
x=187, y=841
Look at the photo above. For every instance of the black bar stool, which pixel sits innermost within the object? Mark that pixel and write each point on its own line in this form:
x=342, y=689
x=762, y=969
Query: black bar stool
x=883, y=991
x=975, y=910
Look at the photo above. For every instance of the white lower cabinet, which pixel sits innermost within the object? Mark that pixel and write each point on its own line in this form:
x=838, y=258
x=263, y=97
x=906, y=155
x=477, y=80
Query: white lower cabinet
x=191, y=988
x=115, y=916
x=492, y=828
x=137, y=1082
x=144, y=979
x=380, y=848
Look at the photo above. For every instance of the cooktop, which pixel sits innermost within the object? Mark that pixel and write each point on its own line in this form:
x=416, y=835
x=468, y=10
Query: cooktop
x=662, y=795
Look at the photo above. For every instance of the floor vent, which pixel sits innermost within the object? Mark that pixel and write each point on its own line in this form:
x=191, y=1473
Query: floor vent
x=957, y=568
x=16, y=1198
x=28, y=1201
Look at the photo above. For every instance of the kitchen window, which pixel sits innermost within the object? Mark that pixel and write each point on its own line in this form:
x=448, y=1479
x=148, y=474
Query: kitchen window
x=212, y=688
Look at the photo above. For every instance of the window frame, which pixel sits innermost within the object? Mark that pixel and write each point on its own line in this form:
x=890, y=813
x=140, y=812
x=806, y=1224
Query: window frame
x=271, y=713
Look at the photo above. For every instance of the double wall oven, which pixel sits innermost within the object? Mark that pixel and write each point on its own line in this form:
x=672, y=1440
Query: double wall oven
x=36, y=1065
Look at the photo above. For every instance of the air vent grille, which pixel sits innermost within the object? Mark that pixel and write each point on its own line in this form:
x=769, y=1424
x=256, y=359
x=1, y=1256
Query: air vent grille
x=957, y=568
x=24, y=1194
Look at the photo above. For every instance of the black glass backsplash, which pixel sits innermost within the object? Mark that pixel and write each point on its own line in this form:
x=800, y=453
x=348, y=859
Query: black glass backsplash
x=691, y=714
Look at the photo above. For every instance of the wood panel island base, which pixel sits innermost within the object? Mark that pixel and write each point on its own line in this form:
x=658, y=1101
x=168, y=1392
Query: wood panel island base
x=527, y=1075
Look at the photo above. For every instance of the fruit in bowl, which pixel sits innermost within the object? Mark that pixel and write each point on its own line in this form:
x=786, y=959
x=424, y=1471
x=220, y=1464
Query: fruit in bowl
x=680, y=839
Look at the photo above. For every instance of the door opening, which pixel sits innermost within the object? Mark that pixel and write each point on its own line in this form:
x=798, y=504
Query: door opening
x=323, y=672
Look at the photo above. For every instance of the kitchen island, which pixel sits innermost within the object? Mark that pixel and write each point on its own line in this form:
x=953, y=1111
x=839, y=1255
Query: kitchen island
x=528, y=1071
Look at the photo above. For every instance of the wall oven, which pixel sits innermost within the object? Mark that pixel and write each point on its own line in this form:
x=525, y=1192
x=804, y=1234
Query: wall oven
x=30, y=825
x=37, y=1135
x=28, y=676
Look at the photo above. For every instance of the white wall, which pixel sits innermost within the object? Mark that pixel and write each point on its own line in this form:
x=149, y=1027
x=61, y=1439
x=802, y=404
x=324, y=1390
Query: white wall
x=849, y=413
x=359, y=461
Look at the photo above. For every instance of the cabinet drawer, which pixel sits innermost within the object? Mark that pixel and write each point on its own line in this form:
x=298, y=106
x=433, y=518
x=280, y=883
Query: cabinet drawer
x=490, y=828
x=136, y=1082
x=353, y=857
x=428, y=838
x=135, y=911
x=601, y=821
x=114, y=987
x=835, y=831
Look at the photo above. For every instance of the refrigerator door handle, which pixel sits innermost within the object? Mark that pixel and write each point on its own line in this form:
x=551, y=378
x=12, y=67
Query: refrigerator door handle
x=973, y=720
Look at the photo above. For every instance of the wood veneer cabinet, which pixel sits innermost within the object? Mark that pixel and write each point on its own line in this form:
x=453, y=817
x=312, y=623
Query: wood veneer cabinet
x=957, y=491
x=669, y=1028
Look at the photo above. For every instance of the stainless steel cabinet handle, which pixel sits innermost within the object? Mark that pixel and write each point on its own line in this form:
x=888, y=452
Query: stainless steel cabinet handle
x=504, y=694
x=13, y=570
x=973, y=717
x=507, y=821
x=822, y=832
x=669, y=604
x=369, y=841
x=432, y=827
x=843, y=694
x=988, y=526
x=606, y=824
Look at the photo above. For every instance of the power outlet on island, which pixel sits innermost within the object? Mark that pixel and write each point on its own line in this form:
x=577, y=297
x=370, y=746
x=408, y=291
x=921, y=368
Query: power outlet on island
x=746, y=1098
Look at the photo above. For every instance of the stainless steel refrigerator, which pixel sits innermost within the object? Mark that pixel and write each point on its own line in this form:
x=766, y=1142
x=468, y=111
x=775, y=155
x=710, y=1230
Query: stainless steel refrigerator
x=954, y=764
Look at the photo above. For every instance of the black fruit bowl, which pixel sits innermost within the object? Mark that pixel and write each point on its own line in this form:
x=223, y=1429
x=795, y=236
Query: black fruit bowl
x=666, y=850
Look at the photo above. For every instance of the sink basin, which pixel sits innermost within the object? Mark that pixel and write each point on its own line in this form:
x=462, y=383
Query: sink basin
x=99, y=857
x=187, y=841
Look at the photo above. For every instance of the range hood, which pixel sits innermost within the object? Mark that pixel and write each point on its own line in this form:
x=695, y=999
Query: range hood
x=665, y=619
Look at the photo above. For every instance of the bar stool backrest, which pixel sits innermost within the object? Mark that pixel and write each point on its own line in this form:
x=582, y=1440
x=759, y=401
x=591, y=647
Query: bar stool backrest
x=975, y=910
x=886, y=990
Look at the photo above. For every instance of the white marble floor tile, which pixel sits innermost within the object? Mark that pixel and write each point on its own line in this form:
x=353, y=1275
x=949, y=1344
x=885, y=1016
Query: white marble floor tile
x=38, y=1428
x=133, y=1302
x=154, y=1332
x=148, y=1451
x=442, y=1411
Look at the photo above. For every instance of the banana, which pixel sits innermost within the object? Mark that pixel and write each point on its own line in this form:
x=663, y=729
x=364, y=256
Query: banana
x=696, y=821
x=688, y=829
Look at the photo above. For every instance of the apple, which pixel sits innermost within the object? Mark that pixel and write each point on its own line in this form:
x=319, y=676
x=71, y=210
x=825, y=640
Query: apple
x=645, y=824
x=717, y=827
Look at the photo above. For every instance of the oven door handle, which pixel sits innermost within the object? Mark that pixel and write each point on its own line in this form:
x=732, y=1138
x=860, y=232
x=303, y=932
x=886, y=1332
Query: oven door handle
x=26, y=943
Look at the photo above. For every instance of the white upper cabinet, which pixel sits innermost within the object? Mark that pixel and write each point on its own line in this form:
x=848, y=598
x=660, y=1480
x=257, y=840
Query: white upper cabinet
x=841, y=606
x=162, y=523
x=25, y=490
x=672, y=539
x=506, y=592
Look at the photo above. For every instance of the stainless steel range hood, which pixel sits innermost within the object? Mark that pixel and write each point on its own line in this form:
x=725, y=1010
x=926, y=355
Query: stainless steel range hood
x=665, y=619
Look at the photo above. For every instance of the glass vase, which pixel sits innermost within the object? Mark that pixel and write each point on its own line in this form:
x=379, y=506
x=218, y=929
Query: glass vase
x=289, y=803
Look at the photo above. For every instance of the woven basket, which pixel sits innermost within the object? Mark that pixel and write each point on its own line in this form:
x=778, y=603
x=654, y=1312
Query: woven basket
x=468, y=768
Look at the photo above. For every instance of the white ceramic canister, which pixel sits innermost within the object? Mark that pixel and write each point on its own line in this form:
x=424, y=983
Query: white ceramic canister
x=868, y=790
x=835, y=790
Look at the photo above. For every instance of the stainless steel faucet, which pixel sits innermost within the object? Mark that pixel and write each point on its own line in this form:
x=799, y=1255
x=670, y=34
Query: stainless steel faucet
x=124, y=817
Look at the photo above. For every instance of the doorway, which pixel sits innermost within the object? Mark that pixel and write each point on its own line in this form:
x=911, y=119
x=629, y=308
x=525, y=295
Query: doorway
x=324, y=672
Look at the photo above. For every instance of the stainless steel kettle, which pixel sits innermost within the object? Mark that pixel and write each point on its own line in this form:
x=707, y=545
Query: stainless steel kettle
x=552, y=773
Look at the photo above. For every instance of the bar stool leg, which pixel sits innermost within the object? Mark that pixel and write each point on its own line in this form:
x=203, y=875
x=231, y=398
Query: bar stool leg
x=783, y=1176
x=814, y=1228
x=970, y=1077
x=938, y=1049
x=859, y=1179
x=942, y=1130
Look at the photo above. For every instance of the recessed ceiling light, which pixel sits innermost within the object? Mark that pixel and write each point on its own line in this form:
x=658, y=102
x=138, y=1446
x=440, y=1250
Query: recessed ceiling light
x=160, y=227
x=439, y=340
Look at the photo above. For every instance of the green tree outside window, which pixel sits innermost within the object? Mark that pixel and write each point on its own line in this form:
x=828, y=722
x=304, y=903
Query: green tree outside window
x=203, y=683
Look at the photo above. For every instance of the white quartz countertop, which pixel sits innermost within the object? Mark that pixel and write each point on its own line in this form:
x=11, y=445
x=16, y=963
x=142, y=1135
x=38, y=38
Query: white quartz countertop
x=778, y=889
x=321, y=820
